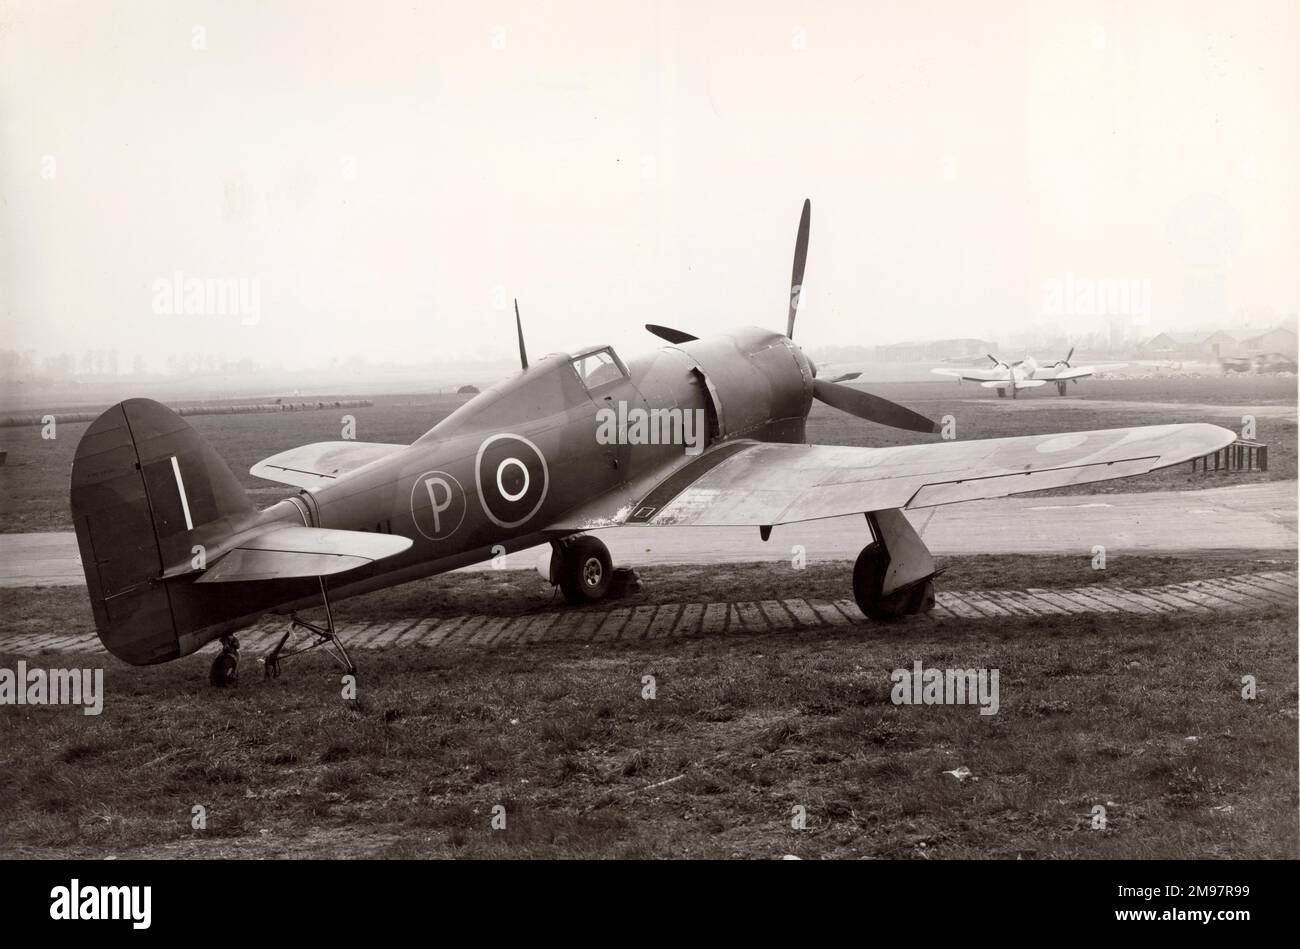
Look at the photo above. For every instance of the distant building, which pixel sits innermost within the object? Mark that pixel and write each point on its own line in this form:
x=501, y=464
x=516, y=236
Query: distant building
x=1219, y=345
x=1161, y=346
x=1277, y=340
x=934, y=350
x=1202, y=345
x=1209, y=346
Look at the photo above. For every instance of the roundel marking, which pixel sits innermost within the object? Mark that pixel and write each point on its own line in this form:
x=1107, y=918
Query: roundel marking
x=516, y=479
x=523, y=489
x=437, y=504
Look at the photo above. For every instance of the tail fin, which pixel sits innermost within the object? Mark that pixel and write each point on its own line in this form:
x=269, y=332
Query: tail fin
x=147, y=489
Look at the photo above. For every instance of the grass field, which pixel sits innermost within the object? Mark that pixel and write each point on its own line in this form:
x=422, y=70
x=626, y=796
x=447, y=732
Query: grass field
x=1145, y=720
x=34, y=481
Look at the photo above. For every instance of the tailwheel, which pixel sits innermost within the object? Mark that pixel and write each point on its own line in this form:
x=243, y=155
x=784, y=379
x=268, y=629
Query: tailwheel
x=225, y=667
x=586, y=570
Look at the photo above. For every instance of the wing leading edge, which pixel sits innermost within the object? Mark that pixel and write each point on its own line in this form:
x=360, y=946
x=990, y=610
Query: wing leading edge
x=762, y=484
x=1079, y=372
x=974, y=375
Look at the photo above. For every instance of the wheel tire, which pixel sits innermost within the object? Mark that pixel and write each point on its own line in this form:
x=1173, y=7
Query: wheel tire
x=1060, y=388
x=586, y=571
x=1002, y=393
x=868, y=581
x=224, y=671
x=868, y=577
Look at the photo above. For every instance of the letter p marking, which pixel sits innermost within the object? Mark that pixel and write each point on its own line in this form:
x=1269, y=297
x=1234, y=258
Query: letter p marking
x=434, y=506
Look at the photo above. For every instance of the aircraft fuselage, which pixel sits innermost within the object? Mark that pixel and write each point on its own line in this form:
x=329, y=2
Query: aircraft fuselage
x=496, y=474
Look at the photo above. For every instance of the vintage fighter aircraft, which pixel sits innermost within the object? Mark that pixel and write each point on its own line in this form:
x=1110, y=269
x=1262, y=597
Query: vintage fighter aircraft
x=1026, y=374
x=176, y=555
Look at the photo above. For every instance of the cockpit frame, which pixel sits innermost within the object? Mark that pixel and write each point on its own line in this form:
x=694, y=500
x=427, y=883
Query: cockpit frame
x=576, y=359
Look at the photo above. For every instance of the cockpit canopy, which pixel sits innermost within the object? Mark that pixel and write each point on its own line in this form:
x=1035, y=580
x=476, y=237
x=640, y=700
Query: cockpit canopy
x=598, y=367
x=555, y=383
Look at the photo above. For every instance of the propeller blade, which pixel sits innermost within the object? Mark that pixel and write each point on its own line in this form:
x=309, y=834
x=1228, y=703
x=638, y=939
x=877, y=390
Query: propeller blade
x=1069, y=356
x=519, y=328
x=670, y=334
x=847, y=376
x=800, y=258
x=871, y=407
x=996, y=360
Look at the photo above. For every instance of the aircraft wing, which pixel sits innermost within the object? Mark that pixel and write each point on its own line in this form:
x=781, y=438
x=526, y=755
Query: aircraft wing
x=1078, y=372
x=761, y=484
x=973, y=375
x=283, y=552
x=311, y=466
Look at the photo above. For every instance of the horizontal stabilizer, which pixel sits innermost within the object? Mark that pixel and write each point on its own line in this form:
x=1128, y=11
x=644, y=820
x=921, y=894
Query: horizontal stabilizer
x=286, y=552
x=311, y=466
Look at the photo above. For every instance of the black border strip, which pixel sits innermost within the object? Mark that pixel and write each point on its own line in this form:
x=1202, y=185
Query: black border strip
x=681, y=479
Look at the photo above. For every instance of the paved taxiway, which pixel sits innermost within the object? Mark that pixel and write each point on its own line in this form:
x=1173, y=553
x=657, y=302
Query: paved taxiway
x=1227, y=415
x=1237, y=517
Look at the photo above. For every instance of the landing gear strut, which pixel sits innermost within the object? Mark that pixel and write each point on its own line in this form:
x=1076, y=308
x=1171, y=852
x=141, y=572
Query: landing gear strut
x=326, y=637
x=584, y=570
x=894, y=574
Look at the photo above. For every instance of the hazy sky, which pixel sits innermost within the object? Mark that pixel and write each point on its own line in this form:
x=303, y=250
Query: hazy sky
x=387, y=176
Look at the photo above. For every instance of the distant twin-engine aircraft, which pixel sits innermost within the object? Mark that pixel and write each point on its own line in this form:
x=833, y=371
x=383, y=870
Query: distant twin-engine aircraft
x=700, y=432
x=1027, y=374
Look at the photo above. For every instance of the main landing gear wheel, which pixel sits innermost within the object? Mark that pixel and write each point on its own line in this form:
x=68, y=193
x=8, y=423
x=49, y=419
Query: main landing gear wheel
x=1002, y=393
x=894, y=575
x=1060, y=388
x=586, y=570
x=868, y=579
